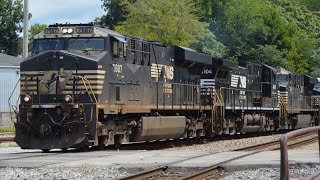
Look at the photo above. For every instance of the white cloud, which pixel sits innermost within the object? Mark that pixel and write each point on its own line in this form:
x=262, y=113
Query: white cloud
x=61, y=11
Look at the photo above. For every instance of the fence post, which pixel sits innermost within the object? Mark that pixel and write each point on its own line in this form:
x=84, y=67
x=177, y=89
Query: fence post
x=284, y=169
x=319, y=143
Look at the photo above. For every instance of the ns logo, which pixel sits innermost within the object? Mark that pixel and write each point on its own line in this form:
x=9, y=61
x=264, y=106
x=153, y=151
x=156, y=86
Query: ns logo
x=238, y=80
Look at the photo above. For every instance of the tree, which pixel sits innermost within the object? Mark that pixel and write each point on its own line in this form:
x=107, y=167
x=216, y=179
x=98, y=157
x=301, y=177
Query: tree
x=116, y=13
x=267, y=54
x=250, y=27
x=169, y=22
x=11, y=17
x=311, y=4
x=239, y=24
x=34, y=30
x=301, y=37
x=210, y=45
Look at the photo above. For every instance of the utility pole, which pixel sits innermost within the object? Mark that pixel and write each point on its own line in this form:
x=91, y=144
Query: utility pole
x=25, y=28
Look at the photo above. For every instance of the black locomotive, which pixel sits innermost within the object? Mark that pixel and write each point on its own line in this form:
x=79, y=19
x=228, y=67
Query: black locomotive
x=85, y=85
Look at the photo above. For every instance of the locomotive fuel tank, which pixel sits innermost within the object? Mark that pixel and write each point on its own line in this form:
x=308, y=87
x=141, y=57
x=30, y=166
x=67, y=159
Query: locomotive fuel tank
x=160, y=127
x=302, y=121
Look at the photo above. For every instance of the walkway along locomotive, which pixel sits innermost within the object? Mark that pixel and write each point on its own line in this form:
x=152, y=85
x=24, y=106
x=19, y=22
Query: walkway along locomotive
x=85, y=85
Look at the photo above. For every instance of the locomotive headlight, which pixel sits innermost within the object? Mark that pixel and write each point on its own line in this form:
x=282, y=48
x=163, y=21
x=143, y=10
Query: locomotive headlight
x=67, y=98
x=70, y=30
x=67, y=30
x=64, y=31
x=27, y=98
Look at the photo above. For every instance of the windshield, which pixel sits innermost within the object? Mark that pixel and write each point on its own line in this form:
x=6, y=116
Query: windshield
x=48, y=44
x=317, y=87
x=88, y=44
x=282, y=77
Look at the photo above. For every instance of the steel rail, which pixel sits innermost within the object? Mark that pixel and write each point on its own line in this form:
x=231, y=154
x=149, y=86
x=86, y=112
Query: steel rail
x=7, y=133
x=297, y=144
x=258, y=146
x=7, y=139
x=146, y=174
x=276, y=143
x=204, y=173
x=209, y=172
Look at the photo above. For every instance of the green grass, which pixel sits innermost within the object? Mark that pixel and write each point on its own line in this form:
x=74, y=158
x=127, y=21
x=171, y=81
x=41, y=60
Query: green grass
x=8, y=145
x=9, y=129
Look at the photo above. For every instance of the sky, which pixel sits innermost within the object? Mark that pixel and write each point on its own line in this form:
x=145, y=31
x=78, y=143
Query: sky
x=62, y=11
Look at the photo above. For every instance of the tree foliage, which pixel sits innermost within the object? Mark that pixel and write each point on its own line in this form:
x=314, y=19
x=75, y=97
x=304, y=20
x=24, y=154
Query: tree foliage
x=116, y=13
x=267, y=54
x=210, y=45
x=34, y=30
x=169, y=22
x=311, y=4
x=11, y=16
x=249, y=26
x=275, y=32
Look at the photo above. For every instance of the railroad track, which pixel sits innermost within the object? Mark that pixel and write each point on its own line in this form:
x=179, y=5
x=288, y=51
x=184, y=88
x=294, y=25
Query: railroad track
x=209, y=173
x=214, y=171
x=275, y=145
x=7, y=134
x=7, y=137
x=147, y=174
x=157, y=145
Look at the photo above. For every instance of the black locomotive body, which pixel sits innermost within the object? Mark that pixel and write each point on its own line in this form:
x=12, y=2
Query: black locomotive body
x=86, y=86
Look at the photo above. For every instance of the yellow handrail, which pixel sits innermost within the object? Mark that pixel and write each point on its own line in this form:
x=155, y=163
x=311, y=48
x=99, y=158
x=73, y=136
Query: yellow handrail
x=222, y=107
x=84, y=80
x=283, y=109
x=283, y=106
x=216, y=93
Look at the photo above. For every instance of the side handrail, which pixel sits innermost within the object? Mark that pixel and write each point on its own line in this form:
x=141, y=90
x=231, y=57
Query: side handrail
x=219, y=97
x=222, y=108
x=85, y=80
x=284, y=168
x=283, y=104
x=10, y=97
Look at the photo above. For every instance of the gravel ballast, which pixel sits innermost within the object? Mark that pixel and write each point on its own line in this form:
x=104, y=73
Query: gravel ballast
x=62, y=173
x=227, y=145
x=298, y=172
x=116, y=171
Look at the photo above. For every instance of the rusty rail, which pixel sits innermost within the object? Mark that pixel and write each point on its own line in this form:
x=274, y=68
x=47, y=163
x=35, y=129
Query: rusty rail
x=7, y=134
x=274, y=145
x=146, y=174
x=203, y=174
x=6, y=139
x=284, y=168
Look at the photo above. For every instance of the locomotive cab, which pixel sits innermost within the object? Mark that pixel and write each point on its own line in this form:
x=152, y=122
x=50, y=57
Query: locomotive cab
x=60, y=86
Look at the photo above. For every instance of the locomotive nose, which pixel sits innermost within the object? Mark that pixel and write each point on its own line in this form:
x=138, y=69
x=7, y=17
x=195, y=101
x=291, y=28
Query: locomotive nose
x=61, y=74
x=54, y=60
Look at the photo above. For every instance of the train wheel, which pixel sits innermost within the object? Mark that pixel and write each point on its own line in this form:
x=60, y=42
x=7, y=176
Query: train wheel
x=101, y=144
x=85, y=148
x=64, y=150
x=45, y=150
x=117, y=141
